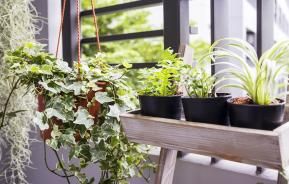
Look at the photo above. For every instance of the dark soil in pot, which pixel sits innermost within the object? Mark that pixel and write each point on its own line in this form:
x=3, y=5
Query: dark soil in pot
x=161, y=106
x=243, y=113
x=208, y=110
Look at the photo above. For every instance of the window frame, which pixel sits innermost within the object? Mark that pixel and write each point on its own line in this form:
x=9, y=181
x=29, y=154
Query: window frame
x=173, y=32
x=176, y=30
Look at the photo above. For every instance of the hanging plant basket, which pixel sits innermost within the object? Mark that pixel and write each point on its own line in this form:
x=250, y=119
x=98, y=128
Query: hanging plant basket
x=80, y=101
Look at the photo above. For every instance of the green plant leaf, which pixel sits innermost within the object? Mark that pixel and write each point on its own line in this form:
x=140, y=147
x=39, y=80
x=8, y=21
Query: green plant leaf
x=45, y=86
x=50, y=112
x=34, y=69
x=46, y=69
x=69, y=137
x=114, y=111
x=102, y=97
x=76, y=87
x=127, y=65
x=85, y=154
x=83, y=118
x=71, y=153
x=38, y=120
x=55, y=132
x=63, y=66
x=98, y=154
x=53, y=143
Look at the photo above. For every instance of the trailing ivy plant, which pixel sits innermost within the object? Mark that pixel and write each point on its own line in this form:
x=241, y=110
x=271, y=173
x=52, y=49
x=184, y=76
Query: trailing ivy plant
x=259, y=77
x=70, y=95
x=163, y=80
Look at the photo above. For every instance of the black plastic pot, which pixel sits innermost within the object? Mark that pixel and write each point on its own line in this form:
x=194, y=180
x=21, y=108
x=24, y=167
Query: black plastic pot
x=265, y=117
x=161, y=106
x=208, y=110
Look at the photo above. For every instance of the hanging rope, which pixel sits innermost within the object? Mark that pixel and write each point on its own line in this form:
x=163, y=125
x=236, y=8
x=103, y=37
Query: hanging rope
x=78, y=35
x=95, y=25
x=79, y=57
x=60, y=27
x=78, y=30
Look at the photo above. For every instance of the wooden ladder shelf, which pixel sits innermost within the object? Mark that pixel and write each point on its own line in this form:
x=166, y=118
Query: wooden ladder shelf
x=268, y=149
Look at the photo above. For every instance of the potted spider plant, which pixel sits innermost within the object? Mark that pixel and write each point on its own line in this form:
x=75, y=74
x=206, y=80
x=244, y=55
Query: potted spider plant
x=159, y=95
x=262, y=107
x=202, y=104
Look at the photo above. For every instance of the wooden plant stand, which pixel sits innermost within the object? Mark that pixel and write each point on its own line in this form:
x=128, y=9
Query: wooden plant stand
x=268, y=149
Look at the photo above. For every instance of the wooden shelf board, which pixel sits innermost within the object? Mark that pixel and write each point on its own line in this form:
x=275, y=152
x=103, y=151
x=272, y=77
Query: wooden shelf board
x=250, y=146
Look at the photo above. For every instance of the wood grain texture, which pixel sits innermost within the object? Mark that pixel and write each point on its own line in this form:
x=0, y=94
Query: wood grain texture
x=237, y=144
x=286, y=117
x=166, y=166
x=283, y=132
x=282, y=179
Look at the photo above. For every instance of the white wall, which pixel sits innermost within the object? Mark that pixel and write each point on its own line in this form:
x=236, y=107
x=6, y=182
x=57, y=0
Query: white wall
x=54, y=19
x=229, y=22
x=281, y=23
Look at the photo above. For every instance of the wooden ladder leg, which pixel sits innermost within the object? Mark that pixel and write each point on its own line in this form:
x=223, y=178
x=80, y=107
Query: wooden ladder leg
x=166, y=166
x=282, y=179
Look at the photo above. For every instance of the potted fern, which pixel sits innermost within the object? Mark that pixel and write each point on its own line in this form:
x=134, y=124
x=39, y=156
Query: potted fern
x=202, y=104
x=160, y=93
x=262, y=107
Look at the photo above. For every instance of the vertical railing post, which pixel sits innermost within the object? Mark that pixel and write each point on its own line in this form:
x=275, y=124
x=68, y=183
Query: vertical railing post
x=259, y=27
x=212, y=17
x=265, y=25
x=176, y=23
x=69, y=32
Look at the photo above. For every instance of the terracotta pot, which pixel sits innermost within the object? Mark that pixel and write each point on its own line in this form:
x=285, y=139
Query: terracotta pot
x=93, y=110
x=41, y=103
x=95, y=107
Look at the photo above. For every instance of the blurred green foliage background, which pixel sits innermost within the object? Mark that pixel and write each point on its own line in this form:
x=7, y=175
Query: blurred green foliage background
x=133, y=51
x=139, y=50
